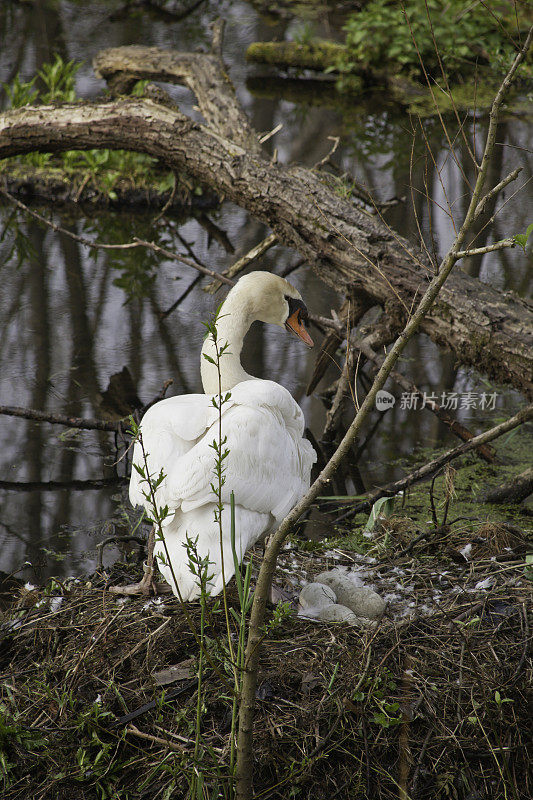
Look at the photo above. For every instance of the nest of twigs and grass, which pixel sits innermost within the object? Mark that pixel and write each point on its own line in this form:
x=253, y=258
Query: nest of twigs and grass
x=99, y=696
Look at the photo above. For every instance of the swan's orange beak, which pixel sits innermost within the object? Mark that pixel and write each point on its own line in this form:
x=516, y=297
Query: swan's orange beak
x=295, y=325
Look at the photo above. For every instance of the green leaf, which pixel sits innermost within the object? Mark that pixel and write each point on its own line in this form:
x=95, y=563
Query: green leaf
x=521, y=239
x=382, y=507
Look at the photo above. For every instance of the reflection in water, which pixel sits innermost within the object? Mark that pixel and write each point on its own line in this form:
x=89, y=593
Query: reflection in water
x=68, y=323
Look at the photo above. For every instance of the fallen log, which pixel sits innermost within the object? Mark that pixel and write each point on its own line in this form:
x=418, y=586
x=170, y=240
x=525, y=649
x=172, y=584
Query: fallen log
x=512, y=491
x=350, y=250
x=319, y=55
x=323, y=56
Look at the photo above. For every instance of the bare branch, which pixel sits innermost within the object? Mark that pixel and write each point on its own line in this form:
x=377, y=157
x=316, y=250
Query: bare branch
x=178, y=748
x=343, y=385
x=128, y=246
x=498, y=188
x=169, y=254
x=449, y=91
x=256, y=252
x=435, y=103
x=78, y=422
x=489, y=248
x=60, y=419
x=336, y=141
x=493, y=124
x=217, y=28
x=58, y=229
x=73, y=484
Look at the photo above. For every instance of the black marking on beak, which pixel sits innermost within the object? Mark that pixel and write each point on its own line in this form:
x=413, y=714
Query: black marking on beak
x=298, y=316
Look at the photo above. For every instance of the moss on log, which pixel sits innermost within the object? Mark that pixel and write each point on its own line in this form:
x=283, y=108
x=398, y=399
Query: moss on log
x=318, y=55
x=324, y=56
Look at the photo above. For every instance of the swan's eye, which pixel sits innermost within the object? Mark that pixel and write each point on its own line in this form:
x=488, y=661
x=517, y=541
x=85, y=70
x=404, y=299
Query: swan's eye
x=297, y=307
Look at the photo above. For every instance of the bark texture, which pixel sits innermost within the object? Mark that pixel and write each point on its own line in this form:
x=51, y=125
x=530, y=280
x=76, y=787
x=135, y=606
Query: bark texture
x=514, y=490
x=350, y=250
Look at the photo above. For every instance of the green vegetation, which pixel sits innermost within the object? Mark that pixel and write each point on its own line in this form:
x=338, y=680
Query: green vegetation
x=446, y=54
x=416, y=38
x=378, y=691
x=101, y=171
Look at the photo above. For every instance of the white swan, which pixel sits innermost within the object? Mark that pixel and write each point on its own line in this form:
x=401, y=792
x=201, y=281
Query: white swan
x=269, y=462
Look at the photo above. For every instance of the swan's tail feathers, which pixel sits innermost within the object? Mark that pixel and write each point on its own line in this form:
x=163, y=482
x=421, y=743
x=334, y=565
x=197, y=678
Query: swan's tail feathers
x=199, y=527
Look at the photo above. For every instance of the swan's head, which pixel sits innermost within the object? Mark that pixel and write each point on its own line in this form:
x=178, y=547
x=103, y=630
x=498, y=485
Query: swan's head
x=269, y=298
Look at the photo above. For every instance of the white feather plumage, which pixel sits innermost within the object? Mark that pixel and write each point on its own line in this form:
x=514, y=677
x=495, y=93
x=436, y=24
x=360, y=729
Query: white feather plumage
x=268, y=466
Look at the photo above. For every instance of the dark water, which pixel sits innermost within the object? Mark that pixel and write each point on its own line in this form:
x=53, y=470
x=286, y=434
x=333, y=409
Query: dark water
x=66, y=326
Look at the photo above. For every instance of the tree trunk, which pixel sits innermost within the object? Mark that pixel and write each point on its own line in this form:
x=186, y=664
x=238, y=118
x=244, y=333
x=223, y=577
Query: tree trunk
x=350, y=250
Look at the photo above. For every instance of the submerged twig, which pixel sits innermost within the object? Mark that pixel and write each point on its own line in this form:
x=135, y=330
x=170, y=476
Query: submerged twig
x=60, y=419
x=58, y=486
x=115, y=426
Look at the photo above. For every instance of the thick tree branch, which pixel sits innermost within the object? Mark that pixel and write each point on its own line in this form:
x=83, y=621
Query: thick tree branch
x=350, y=250
x=203, y=73
x=512, y=491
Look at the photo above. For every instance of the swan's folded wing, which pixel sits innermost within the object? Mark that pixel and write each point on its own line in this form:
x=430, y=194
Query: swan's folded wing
x=169, y=430
x=271, y=395
x=268, y=463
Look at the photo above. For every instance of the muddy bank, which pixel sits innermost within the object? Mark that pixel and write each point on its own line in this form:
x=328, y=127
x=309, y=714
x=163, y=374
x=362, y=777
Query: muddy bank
x=41, y=185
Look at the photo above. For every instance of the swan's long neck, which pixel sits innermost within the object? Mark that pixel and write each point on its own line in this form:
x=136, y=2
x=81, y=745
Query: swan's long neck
x=233, y=323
